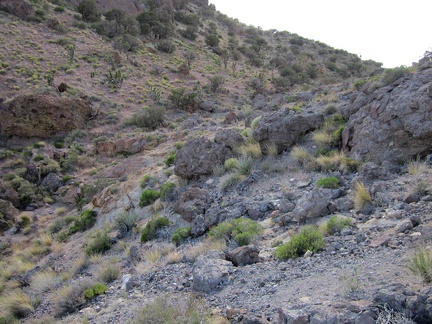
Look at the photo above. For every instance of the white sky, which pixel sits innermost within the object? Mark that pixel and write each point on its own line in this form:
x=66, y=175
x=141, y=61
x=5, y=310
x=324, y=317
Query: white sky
x=393, y=32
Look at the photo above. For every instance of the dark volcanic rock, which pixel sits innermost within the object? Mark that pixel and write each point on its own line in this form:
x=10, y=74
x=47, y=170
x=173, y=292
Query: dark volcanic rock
x=229, y=137
x=243, y=255
x=198, y=157
x=393, y=122
x=285, y=127
x=7, y=215
x=192, y=203
x=43, y=116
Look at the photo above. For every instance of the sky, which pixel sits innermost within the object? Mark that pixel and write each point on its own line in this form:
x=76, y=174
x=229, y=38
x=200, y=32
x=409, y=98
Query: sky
x=395, y=32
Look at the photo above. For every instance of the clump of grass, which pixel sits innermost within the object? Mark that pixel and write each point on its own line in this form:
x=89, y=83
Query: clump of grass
x=167, y=191
x=330, y=162
x=170, y=159
x=17, y=303
x=421, y=265
x=308, y=239
x=201, y=248
x=43, y=281
x=69, y=298
x=242, y=230
x=244, y=167
x=61, y=211
x=230, y=179
x=108, y=272
x=415, y=167
x=173, y=310
x=153, y=225
x=322, y=138
x=145, y=180
x=125, y=222
x=250, y=149
x=255, y=123
x=302, y=157
x=361, y=196
x=85, y=221
x=271, y=150
x=336, y=224
x=329, y=183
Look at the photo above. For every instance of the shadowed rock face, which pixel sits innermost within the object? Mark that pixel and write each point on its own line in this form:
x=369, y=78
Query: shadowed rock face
x=285, y=127
x=42, y=116
x=393, y=122
x=19, y=8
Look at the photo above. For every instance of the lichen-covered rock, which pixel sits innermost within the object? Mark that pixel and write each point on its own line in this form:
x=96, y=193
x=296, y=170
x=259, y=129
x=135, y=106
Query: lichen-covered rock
x=43, y=116
x=285, y=127
x=198, y=157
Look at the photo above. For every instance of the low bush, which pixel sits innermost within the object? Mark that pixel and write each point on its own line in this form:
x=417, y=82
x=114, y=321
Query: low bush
x=336, y=224
x=391, y=75
x=329, y=183
x=231, y=163
x=166, y=45
x=69, y=298
x=167, y=191
x=85, y=221
x=180, y=234
x=148, y=118
x=170, y=159
x=149, y=232
x=242, y=230
x=95, y=290
x=98, y=243
x=421, y=265
x=308, y=239
x=148, y=197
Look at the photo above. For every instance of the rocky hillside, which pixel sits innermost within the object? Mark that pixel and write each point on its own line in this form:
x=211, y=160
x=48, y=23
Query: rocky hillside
x=161, y=162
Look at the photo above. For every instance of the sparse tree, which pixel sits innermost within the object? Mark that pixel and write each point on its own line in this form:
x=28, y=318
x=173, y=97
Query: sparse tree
x=216, y=83
x=88, y=10
x=225, y=56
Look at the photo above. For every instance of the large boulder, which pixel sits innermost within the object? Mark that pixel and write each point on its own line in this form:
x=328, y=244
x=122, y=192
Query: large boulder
x=313, y=204
x=211, y=272
x=229, y=137
x=198, y=157
x=192, y=203
x=393, y=122
x=7, y=215
x=19, y=8
x=43, y=116
x=285, y=127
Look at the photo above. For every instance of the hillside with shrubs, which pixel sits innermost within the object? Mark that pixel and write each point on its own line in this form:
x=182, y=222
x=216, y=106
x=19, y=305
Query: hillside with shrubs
x=161, y=162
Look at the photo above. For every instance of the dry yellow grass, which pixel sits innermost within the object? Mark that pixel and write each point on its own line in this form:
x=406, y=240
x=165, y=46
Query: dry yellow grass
x=251, y=149
x=322, y=138
x=174, y=257
x=361, y=195
x=195, y=251
x=417, y=167
x=16, y=303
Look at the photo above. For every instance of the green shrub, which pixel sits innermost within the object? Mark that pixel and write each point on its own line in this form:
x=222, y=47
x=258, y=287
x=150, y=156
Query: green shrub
x=216, y=83
x=166, y=45
x=231, y=164
x=180, y=234
x=125, y=222
x=183, y=99
x=329, y=183
x=359, y=84
x=96, y=290
x=85, y=221
x=149, y=118
x=245, y=166
x=242, y=230
x=145, y=180
x=309, y=238
x=391, y=75
x=170, y=159
x=153, y=225
x=421, y=264
x=148, y=197
x=336, y=224
x=108, y=272
x=212, y=40
x=88, y=10
x=167, y=191
x=56, y=226
x=255, y=122
x=98, y=243
x=338, y=119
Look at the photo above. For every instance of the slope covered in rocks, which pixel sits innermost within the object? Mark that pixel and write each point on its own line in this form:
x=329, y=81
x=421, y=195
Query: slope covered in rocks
x=153, y=175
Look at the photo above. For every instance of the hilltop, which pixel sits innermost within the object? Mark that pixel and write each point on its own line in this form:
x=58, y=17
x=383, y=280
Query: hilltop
x=159, y=161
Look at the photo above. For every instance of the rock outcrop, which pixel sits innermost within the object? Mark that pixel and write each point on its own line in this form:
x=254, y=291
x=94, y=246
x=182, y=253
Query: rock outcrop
x=43, y=116
x=19, y=8
x=391, y=123
x=198, y=157
x=285, y=127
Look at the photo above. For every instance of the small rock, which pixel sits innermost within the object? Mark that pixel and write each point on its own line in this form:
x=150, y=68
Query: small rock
x=380, y=241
